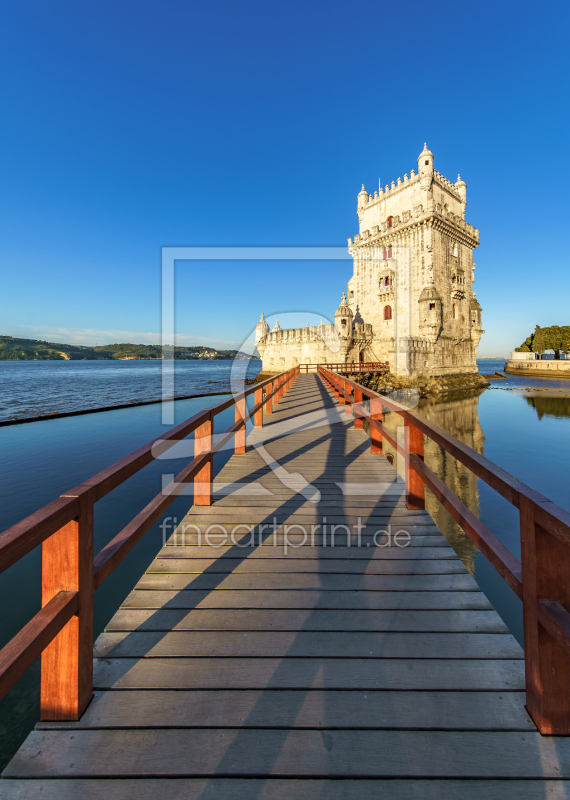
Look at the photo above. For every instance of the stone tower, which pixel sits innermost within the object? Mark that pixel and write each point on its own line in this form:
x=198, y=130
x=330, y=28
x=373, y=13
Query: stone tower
x=410, y=300
x=414, y=273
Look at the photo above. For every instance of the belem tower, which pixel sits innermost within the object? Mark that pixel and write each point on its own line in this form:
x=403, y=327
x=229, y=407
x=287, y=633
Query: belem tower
x=410, y=301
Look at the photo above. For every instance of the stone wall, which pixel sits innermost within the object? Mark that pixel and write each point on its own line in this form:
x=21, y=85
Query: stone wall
x=539, y=368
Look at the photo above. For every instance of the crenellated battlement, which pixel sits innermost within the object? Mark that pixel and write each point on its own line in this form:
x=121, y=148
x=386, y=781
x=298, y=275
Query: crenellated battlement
x=310, y=333
x=447, y=184
x=397, y=185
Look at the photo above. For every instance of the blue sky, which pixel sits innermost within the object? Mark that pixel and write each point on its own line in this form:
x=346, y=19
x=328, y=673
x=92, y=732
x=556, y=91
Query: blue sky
x=128, y=126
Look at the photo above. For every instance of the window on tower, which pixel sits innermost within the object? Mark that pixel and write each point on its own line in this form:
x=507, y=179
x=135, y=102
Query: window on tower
x=432, y=306
x=387, y=312
x=390, y=220
x=387, y=280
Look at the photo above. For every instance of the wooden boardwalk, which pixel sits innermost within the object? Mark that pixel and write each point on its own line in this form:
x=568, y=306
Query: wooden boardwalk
x=298, y=667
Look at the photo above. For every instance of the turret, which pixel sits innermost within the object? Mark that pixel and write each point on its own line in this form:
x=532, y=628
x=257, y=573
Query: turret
x=425, y=171
x=343, y=318
x=362, y=197
x=425, y=161
x=430, y=313
x=461, y=187
x=358, y=323
x=261, y=329
x=343, y=326
x=277, y=327
x=475, y=319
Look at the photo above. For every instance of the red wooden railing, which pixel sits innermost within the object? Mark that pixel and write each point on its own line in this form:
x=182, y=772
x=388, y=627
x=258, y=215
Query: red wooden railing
x=62, y=631
x=542, y=581
x=351, y=369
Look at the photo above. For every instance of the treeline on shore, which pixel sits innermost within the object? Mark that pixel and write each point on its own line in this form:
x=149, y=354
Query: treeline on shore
x=555, y=337
x=15, y=349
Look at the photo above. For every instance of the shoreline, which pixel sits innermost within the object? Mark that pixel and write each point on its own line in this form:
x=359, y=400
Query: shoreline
x=62, y=414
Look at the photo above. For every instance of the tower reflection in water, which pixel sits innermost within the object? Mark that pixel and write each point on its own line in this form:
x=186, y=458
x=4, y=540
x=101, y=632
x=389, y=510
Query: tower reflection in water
x=459, y=417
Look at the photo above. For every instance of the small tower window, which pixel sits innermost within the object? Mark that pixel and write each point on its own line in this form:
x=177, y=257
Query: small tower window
x=432, y=306
x=427, y=162
x=387, y=312
x=390, y=219
x=343, y=321
x=387, y=281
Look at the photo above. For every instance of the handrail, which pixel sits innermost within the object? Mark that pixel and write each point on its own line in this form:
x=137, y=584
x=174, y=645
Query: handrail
x=542, y=580
x=62, y=631
x=352, y=368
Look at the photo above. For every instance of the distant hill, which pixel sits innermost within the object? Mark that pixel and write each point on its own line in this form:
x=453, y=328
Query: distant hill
x=14, y=349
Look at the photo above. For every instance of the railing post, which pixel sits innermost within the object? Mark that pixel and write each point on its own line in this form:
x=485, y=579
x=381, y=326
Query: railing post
x=415, y=487
x=67, y=662
x=348, y=404
x=240, y=414
x=281, y=388
x=269, y=400
x=203, y=489
x=375, y=434
x=357, y=401
x=258, y=416
x=274, y=387
x=544, y=560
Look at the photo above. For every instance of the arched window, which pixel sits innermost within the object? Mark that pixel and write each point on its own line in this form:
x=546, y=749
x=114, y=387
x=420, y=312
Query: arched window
x=387, y=312
x=390, y=252
x=390, y=220
x=387, y=280
x=454, y=311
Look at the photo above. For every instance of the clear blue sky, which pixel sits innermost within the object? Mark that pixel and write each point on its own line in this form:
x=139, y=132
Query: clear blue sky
x=127, y=126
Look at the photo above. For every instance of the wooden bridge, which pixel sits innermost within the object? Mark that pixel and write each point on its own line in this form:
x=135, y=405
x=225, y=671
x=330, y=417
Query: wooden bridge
x=307, y=632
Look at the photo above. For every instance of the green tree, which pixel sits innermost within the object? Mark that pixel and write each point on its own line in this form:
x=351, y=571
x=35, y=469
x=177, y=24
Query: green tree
x=539, y=341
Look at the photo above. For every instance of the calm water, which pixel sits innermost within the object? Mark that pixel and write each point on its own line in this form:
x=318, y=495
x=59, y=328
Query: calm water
x=527, y=433
x=36, y=388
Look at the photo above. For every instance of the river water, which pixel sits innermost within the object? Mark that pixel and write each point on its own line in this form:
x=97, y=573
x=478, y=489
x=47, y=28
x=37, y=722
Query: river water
x=39, y=388
x=524, y=430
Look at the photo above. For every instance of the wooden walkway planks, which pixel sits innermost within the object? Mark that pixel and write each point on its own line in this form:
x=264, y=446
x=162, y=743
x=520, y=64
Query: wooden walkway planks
x=259, y=652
